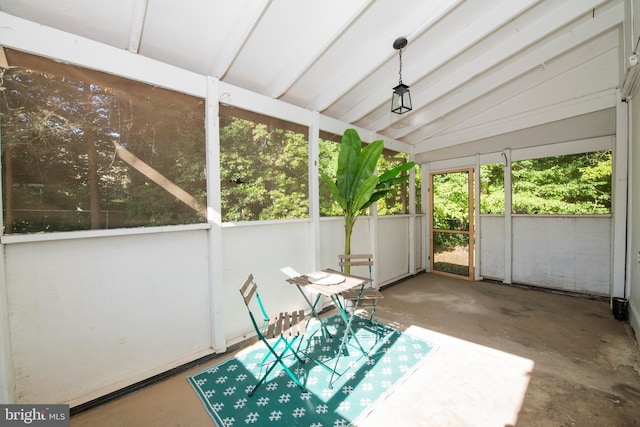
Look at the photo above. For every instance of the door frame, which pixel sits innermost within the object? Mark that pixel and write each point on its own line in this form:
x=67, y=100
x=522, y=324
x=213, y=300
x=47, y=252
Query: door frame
x=470, y=232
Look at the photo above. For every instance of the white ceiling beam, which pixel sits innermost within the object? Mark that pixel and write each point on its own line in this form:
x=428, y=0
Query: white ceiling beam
x=429, y=91
x=575, y=107
x=512, y=78
x=591, y=77
x=138, y=17
x=223, y=59
x=457, y=44
x=474, y=113
x=467, y=61
x=369, y=58
x=298, y=64
x=245, y=99
x=27, y=36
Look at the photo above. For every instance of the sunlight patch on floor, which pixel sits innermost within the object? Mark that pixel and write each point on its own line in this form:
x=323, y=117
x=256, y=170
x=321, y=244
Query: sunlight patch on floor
x=462, y=383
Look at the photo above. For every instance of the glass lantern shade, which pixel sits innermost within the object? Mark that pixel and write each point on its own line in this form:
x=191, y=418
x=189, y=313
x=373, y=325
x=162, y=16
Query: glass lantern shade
x=401, y=100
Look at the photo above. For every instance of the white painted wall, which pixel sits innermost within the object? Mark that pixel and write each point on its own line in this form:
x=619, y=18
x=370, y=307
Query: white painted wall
x=332, y=239
x=271, y=251
x=571, y=253
x=492, y=244
x=93, y=314
x=561, y=252
x=419, y=249
x=389, y=243
x=392, y=257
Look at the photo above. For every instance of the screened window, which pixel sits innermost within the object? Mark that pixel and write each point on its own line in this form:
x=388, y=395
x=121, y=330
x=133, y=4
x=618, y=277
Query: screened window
x=577, y=184
x=492, y=189
x=86, y=150
x=329, y=149
x=263, y=167
x=396, y=202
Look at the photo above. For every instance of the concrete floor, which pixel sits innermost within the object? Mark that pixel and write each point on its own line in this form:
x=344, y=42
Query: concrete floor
x=506, y=356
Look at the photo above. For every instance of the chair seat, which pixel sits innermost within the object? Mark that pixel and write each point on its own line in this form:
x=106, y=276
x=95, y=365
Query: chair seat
x=287, y=324
x=367, y=294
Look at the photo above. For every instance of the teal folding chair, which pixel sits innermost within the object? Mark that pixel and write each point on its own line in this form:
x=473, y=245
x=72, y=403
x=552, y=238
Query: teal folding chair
x=283, y=329
x=368, y=296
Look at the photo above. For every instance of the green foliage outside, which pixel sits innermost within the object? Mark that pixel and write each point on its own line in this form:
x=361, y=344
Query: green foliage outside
x=577, y=184
x=328, y=164
x=396, y=201
x=61, y=170
x=263, y=173
x=451, y=201
x=450, y=209
x=492, y=189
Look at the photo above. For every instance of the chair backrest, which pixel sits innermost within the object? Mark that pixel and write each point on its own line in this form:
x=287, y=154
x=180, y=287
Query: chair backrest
x=356, y=260
x=248, y=290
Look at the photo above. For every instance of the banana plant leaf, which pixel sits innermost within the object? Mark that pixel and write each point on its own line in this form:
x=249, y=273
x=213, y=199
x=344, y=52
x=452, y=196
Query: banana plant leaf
x=357, y=186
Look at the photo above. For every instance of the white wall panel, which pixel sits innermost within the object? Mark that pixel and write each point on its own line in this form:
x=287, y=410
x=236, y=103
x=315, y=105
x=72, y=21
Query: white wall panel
x=571, y=253
x=419, y=221
x=492, y=246
x=109, y=311
x=393, y=248
x=332, y=240
x=268, y=250
x=89, y=316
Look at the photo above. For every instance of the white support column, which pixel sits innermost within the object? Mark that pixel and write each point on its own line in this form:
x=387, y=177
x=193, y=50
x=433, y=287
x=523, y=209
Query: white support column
x=314, y=188
x=631, y=154
x=476, y=214
x=374, y=241
x=426, y=206
x=7, y=385
x=412, y=215
x=619, y=202
x=508, y=238
x=214, y=217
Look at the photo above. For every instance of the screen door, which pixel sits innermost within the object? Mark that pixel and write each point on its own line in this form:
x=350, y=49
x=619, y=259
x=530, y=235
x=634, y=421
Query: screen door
x=451, y=251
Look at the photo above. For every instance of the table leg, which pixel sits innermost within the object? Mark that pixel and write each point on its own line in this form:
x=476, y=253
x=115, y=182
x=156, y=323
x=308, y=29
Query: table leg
x=314, y=311
x=348, y=320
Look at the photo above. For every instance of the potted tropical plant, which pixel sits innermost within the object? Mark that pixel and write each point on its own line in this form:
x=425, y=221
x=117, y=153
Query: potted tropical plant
x=356, y=185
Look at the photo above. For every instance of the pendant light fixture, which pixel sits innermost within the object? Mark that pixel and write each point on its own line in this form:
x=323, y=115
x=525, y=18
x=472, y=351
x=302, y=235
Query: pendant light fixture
x=401, y=100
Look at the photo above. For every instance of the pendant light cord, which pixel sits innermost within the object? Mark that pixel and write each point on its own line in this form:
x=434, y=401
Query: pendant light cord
x=400, y=72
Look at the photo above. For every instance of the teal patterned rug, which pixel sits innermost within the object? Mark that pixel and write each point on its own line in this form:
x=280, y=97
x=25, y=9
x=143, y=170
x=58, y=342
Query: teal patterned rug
x=363, y=381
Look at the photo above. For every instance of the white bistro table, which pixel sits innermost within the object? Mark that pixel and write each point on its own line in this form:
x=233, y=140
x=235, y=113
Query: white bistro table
x=331, y=283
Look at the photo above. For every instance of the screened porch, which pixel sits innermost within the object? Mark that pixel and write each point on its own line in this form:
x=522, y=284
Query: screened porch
x=153, y=156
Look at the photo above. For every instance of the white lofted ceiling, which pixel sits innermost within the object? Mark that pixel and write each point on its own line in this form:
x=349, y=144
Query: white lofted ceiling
x=476, y=68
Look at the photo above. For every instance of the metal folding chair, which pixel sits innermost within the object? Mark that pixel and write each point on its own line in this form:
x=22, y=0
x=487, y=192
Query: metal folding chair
x=281, y=329
x=370, y=294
